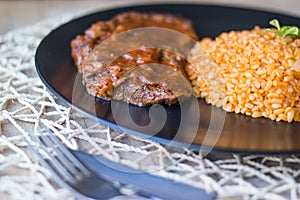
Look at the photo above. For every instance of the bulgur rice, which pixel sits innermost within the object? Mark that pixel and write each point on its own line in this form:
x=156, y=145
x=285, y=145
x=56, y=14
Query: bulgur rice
x=252, y=72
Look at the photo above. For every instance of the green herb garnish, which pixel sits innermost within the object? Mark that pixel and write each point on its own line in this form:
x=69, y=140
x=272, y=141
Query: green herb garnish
x=284, y=31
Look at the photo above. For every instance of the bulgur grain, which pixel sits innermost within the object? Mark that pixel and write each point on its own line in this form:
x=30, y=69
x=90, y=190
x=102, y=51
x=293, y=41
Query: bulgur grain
x=253, y=72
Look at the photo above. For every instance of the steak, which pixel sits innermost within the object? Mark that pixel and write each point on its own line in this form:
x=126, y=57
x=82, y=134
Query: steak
x=116, y=58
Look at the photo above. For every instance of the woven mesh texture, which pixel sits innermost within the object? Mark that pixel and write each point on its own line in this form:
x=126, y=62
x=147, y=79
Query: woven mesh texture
x=26, y=105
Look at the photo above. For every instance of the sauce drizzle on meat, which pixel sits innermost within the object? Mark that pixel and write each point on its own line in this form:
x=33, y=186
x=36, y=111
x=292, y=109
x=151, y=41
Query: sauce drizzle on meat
x=130, y=77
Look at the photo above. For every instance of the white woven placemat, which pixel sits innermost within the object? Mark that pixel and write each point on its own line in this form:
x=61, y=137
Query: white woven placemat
x=25, y=105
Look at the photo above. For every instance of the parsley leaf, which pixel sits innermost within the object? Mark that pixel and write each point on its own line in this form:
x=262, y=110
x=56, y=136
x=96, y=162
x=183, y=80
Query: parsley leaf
x=284, y=31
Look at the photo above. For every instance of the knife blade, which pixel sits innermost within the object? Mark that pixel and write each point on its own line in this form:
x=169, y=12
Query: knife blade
x=145, y=183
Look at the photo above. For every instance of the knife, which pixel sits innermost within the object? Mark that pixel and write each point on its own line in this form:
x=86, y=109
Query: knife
x=143, y=182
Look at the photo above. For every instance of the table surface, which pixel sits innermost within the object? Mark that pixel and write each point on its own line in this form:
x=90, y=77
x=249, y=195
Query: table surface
x=16, y=14
x=19, y=13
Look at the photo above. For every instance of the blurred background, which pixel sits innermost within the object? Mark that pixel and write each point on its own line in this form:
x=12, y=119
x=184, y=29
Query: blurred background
x=17, y=13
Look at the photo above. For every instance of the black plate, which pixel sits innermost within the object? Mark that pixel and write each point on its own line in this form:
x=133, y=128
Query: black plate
x=240, y=134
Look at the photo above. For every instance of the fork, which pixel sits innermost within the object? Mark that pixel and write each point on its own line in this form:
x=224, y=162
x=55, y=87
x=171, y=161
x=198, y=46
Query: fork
x=68, y=170
x=88, y=177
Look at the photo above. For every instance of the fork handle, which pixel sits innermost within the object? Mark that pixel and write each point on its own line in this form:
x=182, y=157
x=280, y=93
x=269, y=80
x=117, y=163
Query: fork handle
x=145, y=183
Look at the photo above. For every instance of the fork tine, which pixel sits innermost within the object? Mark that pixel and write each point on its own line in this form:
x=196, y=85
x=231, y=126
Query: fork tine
x=67, y=169
x=56, y=175
x=53, y=163
x=64, y=152
x=63, y=155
